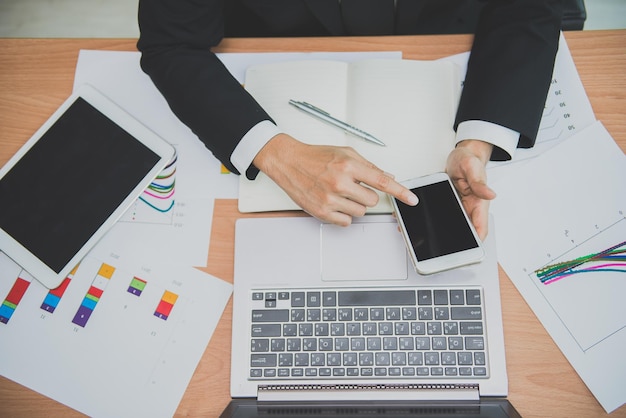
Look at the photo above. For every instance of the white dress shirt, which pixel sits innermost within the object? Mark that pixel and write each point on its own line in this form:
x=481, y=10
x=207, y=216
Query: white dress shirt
x=260, y=134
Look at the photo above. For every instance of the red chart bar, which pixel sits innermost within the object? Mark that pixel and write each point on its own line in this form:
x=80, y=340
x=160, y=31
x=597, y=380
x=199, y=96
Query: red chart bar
x=13, y=299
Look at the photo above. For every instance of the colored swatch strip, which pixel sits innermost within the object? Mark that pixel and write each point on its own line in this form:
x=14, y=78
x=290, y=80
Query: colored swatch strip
x=136, y=286
x=612, y=259
x=13, y=299
x=52, y=299
x=166, y=304
x=93, y=295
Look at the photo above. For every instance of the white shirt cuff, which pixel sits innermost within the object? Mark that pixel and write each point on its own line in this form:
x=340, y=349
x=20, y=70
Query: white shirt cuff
x=251, y=144
x=497, y=135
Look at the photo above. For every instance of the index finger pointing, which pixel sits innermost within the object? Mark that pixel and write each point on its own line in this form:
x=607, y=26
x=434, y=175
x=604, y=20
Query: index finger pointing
x=379, y=180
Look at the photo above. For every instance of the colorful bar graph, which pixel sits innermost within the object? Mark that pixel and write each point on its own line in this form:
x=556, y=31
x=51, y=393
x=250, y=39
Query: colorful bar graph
x=166, y=304
x=93, y=295
x=136, y=286
x=54, y=296
x=13, y=298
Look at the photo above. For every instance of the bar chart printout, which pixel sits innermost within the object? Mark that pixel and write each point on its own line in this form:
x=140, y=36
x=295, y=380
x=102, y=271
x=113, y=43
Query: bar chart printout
x=14, y=297
x=93, y=295
x=54, y=295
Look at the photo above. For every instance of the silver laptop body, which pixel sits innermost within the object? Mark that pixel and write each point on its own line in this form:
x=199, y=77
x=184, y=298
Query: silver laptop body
x=288, y=254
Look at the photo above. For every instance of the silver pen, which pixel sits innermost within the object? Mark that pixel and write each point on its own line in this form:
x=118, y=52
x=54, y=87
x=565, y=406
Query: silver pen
x=326, y=117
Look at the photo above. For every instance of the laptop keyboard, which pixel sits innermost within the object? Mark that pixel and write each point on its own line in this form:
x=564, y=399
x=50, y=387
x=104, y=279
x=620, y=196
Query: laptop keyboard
x=368, y=333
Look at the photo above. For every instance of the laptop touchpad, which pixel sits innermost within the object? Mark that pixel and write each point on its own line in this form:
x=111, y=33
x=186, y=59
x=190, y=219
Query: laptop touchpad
x=362, y=251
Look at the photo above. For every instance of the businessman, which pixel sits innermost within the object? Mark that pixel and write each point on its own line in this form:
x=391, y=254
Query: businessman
x=505, y=88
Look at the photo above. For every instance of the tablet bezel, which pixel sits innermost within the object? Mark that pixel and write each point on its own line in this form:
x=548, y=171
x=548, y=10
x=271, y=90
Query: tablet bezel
x=164, y=151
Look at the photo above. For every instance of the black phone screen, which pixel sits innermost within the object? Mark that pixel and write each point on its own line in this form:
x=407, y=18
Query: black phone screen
x=436, y=225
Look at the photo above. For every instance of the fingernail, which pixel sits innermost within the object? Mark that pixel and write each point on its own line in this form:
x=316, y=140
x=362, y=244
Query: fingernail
x=413, y=200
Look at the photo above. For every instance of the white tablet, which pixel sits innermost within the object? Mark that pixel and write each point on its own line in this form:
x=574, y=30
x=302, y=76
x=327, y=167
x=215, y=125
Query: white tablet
x=72, y=180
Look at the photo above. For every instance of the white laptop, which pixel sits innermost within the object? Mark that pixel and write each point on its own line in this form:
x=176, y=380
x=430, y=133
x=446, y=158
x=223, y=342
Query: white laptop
x=325, y=314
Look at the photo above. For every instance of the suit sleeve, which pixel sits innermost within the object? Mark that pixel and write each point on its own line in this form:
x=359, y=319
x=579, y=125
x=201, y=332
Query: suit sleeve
x=510, y=66
x=175, y=41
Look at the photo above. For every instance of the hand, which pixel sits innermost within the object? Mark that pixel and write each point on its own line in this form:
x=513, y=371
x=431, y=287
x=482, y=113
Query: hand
x=327, y=182
x=466, y=167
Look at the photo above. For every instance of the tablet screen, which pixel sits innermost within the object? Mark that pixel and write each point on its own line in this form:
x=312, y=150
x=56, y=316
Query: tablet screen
x=71, y=180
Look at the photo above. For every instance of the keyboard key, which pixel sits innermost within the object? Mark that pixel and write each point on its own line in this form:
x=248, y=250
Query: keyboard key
x=455, y=343
x=313, y=299
x=270, y=315
x=260, y=345
x=266, y=330
x=424, y=297
x=471, y=328
x=441, y=297
x=465, y=358
x=457, y=297
x=329, y=299
x=357, y=344
x=361, y=314
x=263, y=360
x=425, y=314
x=459, y=312
x=409, y=314
x=285, y=360
x=377, y=298
x=474, y=343
x=297, y=300
x=473, y=297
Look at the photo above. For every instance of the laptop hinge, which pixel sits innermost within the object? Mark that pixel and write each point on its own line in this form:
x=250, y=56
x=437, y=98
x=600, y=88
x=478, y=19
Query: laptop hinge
x=292, y=392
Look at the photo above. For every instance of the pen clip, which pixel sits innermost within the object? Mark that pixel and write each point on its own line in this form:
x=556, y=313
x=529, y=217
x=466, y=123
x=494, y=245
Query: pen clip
x=317, y=109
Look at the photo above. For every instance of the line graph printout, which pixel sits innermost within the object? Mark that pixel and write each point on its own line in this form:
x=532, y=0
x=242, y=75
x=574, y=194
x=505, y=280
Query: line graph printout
x=567, y=109
x=156, y=203
x=125, y=361
x=568, y=203
x=169, y=221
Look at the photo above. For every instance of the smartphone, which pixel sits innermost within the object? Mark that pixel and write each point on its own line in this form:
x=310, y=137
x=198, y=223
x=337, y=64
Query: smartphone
x=438, y=233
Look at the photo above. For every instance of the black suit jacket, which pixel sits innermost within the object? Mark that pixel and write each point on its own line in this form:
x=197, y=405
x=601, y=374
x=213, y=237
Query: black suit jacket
x=508, y=75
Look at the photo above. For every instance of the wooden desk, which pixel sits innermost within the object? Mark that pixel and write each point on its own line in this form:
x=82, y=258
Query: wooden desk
x=36, y=77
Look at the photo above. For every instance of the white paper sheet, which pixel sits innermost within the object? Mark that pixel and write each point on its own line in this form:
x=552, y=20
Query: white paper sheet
x=109, y=345
x=567, y=109
x=567, y=203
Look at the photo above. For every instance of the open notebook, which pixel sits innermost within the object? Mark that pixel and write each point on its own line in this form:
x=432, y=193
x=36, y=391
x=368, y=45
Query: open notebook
x=410, y=105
